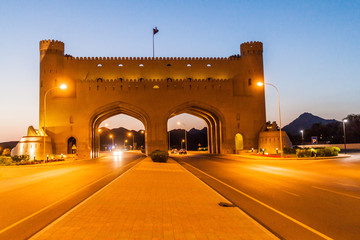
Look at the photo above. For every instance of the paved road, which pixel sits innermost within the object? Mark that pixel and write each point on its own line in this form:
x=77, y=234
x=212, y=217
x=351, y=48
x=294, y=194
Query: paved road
x=295, y=199
x=39, y=194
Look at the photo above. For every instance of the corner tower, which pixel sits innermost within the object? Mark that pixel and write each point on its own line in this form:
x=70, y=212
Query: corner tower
x=51, y=70
x=252, y=59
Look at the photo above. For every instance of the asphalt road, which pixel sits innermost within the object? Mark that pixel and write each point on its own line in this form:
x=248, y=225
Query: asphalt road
x=33, y=196
x=295, y=199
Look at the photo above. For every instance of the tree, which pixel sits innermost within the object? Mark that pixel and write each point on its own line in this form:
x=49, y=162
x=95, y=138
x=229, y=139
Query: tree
x=353, y=128
x=6, y=152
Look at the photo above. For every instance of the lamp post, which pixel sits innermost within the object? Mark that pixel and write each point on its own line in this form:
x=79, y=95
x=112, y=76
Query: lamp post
x=281, y=144
x=125, y=142
x=302, y=137
x=344, y=121
x=142, y=132
x=62, y=87
x=112, y=140
x=179, y=123
x=129, y=134
x=169, y=147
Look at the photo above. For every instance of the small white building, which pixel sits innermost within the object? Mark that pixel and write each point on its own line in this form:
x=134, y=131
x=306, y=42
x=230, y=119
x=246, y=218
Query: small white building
x=33, y=145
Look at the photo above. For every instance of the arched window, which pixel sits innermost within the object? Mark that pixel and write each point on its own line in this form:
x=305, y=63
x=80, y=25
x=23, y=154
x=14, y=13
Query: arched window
x=239, y=143
x=71, y=149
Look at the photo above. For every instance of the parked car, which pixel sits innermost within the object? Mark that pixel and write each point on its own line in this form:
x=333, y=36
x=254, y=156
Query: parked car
x=182, y=151
x=174, y=151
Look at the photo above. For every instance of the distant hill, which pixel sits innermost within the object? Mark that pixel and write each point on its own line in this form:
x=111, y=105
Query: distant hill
x=10, y=145
x=305, y=121
x=195, y=138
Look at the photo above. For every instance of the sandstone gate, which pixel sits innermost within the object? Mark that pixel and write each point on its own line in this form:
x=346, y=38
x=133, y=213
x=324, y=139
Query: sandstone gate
x=221, y=91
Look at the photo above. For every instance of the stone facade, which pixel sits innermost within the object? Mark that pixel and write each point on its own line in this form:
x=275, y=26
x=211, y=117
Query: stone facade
x=221, y=91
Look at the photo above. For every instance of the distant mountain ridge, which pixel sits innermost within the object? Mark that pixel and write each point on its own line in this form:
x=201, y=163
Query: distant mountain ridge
x=10, y=144
x=305, y=121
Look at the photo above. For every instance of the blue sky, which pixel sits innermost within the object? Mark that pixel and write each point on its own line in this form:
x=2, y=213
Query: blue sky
x=311, y=50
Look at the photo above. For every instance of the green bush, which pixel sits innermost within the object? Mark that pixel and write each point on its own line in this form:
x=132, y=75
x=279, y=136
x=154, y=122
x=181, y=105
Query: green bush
x=7, y=161
x=327, y=151
x=305, y=152
x=318, y=152
x=289, y=150
x=159, y=156
x=6, y=152
x=19, y=158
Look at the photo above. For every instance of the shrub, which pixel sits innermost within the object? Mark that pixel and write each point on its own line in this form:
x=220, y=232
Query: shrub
x=305, y=152
x=143, y=150
x=6, y=152
x=328, y=151
x=5, y=161
x=159, y=156
x=318, y=152
x=19, y=158
x=289, y=150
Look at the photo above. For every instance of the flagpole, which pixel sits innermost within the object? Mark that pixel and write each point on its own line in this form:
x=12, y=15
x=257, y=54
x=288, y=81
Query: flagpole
x=153, y=45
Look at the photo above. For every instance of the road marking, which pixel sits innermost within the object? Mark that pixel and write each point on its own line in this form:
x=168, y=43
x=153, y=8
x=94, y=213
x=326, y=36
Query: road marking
x=62, y=199
x=340, y=193
x=267, y=206
x=348, y=185
x=296, y=195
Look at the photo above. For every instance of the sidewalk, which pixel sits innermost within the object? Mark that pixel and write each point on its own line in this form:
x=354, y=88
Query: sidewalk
x=155, y=201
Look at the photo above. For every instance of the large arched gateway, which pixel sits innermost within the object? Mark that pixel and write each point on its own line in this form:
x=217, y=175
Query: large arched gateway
x=221, y=91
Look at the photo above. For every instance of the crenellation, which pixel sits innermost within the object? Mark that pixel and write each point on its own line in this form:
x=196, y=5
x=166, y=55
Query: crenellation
x=251, y=48
x=187, y=60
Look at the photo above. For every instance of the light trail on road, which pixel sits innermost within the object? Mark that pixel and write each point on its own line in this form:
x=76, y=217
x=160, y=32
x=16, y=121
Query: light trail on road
x=26, y=207
x=306, y=193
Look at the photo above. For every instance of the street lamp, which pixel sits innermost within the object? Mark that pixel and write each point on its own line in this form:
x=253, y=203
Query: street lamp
x=261, y=84
x=179, y=123
x=62, y=87
x=302, y=137
x=142, y=132
x=125, y=142
x=112, y=140
x=344, y=121
x=129, y=134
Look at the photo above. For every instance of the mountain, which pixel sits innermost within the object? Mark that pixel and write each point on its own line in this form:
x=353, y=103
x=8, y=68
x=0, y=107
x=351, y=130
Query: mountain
x=305, y=121
x=120, y=137
x=10, y=145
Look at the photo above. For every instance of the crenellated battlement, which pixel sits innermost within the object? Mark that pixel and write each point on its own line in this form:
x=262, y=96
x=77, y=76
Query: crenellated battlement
x=251, y=48
x=152, y=80
x=68, y=57
x=52, y=46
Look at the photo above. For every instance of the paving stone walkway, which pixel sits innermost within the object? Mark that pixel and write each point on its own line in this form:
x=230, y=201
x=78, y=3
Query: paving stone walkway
x=155, y=201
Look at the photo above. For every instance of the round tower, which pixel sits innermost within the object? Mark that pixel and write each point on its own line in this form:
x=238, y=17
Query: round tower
x=51, y=71
x=251, y=48
x=51, y=47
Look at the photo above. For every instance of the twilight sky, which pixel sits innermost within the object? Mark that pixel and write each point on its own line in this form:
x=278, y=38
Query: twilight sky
x=311, y=48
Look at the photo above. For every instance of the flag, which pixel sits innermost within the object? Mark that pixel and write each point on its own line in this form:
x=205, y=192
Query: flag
x=155, y=30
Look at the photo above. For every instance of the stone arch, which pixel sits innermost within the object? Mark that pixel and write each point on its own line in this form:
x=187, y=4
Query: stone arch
x=239, y=143
x=107, y=111
x=213, y=118
x=71, y=145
